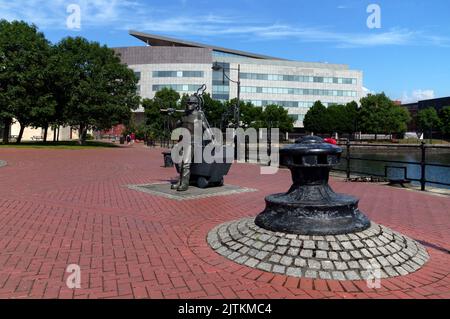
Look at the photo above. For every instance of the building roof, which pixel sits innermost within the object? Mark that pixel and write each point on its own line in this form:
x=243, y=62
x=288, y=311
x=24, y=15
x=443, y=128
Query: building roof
x=156, y=40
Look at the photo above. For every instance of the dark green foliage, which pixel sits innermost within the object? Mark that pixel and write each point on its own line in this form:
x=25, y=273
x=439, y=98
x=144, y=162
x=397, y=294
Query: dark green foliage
x=75, y=82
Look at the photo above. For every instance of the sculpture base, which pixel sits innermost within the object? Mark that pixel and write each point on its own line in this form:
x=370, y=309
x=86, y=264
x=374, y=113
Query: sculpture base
x=377, y=252
x=312, y=210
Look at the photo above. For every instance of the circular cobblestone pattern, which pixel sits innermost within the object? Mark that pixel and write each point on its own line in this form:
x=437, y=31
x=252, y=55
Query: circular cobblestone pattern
x=375, y=251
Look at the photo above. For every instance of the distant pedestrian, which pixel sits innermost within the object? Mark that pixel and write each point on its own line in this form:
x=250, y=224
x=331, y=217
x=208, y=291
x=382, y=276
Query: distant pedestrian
x=133, y=138
x=128, y=139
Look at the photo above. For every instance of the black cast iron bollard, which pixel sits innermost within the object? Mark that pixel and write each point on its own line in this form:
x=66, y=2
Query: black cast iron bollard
x=311, y=207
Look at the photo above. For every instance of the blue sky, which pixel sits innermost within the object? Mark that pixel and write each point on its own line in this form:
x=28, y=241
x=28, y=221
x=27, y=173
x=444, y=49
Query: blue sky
x=408, y=57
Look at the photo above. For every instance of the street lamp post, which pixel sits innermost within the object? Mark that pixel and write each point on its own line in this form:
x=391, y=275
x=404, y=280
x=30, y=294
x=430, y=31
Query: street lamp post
x=217, y=67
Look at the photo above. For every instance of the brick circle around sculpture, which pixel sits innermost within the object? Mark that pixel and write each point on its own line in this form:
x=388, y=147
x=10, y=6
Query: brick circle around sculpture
x=2, y=163
x=375, y=252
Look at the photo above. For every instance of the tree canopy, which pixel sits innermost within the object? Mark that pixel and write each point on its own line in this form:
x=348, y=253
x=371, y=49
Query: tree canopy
x=75, y=82
x=377, y=114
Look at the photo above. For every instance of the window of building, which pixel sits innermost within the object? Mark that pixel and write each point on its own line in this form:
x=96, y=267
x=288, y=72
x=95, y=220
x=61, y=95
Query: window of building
x=177, y=87
x=178, y=74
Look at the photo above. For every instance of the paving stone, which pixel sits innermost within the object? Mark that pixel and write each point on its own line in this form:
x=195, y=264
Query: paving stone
x=309, y=244
x=300, y=262
x=310, y=274
x=268, y=247
x=325, y=275
x=340, y=265
x=353, y=264
x=366, y=253
x=241, y=259
x=383, y=261
x=352, y=275
x=320, y=254
x=323, y=245
x=296, y=243
x=283, y=242
x=338, y=275
x=335, y=246
x=264, y=237
x=392, y=261
x=234, y=255
x=294, y=272
x=264, y=266
x=279, y=269
x=253, y=252
x=252, y=262
x=356, y=254
x=390, y=271
x=306, y=253
x=347, y=245
x=358, y=244
x=258, y=245
x=333, y=255
x=370, y=243
x=275, y=258
x=261, y=255
x=342, y=238
x=345, y=256
x=293, y=251
x=314, y=264
x=352, y=237
x=286, y=261
x=281, y=250
x=402, y=271
x=327, y=265
x=375, y=252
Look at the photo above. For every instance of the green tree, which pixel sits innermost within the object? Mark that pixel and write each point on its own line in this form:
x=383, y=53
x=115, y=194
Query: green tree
x=101, y=90
x=156, y=122
x=24, y=93
x=379, y=114
x=428, y=120
x=445, y=120
x=277, y=116
x=252, y=116
x=315, y=119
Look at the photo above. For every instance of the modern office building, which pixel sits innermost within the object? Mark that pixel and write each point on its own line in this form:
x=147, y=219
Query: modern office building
x=414, y=109
x=185, y=66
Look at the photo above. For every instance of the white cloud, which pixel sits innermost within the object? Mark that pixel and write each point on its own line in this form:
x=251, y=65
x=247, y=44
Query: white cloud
x=135, y=14
x=417, y=95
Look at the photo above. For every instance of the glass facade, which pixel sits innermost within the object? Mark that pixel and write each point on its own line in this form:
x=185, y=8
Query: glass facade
x=297, y=117
x=177, y=87
x=297, y=78
x=291, y=104
x=220, y=83
x=295, y=91
x=178, y=74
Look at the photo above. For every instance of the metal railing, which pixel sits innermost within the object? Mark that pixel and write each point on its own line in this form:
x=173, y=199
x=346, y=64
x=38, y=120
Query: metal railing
x=423, y=164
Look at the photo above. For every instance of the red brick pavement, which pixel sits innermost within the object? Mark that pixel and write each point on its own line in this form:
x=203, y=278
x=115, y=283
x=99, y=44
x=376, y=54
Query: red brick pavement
x=61, y=207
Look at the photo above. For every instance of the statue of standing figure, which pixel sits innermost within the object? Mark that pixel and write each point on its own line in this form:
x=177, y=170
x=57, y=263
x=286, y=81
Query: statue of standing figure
x=193, y=115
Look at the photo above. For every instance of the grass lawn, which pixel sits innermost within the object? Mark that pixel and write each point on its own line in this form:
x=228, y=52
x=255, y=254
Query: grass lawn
x=69, y=145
